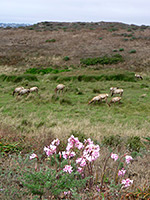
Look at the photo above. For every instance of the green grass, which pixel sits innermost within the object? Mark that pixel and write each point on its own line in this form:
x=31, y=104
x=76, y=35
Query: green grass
x=105, y=60
x=70, y=110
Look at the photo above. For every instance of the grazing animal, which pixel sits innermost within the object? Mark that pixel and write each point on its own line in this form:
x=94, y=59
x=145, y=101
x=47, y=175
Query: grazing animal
x=59, y=87
x=114, y=100
x=34, y=89
x=113, y=88
x=117, y=91
x=17, y=90
x=138, y=76
x=98, y=98
x=24, y=91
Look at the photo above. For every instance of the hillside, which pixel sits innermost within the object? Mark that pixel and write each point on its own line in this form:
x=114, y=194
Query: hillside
x=48, y=43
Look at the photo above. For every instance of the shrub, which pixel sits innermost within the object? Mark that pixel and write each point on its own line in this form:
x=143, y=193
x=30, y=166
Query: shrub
x=105, y=60
x=51, y=40
x=112, y=140
x=121, y=49
x=100, y=38
x=134, y=143
x=66, y=58
x=132, y=51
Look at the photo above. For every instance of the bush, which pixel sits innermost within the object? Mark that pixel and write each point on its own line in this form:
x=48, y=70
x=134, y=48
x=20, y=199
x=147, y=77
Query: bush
x=105, y=60
x=66, y=58
x=121, y=49
x=51, y=40
x=100, y=38
x=132, y=51
x=112, y=140
x=134, y=143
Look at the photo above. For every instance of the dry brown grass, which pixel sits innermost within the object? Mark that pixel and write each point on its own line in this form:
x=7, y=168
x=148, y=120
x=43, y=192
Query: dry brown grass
x=28, y=48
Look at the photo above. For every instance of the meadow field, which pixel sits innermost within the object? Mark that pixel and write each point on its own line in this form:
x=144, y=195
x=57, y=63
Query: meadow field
x=30, y=122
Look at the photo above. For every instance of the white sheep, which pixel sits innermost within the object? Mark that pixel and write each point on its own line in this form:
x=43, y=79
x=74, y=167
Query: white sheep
x=34, y=89
x=113, y=88
x=117, y=91
x=59, y=87
x=24, y=91
x=114, y=100
x=17, y=90
x=98, y=98
x=138, y=76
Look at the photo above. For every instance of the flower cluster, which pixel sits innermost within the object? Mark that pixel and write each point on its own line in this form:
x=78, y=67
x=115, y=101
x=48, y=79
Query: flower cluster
x=68, y=168
x=51, y=149
x=121, y=172
x=128, y=159
x=127, y=182
x=114, y=156
x=90, y=153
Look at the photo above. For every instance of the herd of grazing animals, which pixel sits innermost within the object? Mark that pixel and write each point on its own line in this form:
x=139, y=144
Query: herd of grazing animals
x=60, y=87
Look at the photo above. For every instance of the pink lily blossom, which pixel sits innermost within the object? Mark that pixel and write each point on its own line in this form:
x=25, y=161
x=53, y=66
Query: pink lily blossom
x=68, y=168
x=127, y=182
x=33, y=156
x=121, y=172
x=128, y=159
x=114, y=156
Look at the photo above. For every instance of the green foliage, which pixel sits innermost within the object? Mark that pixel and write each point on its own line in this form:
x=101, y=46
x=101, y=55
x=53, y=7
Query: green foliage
x=45, y=71
x=115, y=50
x=66, y=58
x=147, y=140
x=132, y=51
x=6, y=148
x=134, y=143
x=52, y=182
x=100, y=38
x=51, y=40
x=105, y=60
x=65, y=101
x=112, y=140
x=19, y=78
x=113, y=29
x=121, y=49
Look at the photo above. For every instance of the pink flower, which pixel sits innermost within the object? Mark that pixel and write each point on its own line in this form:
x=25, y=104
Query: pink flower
x=79, y=145
x=55, y=142
x=114, y=156
x=68, y=154
x=68, y=168
x=127, y=182
x=67, y=193
x=33, y=156
x=80, y=170
x=128, y=159
x=81, y=161
x=121, y=172
x=50, y=150
x=91, y=152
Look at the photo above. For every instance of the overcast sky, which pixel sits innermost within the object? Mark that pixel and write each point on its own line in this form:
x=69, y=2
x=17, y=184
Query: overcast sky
x=33, y=11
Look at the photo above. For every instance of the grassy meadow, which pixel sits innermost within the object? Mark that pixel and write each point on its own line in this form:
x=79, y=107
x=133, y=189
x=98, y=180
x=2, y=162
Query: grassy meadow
x=69, y=111
x=84, y=59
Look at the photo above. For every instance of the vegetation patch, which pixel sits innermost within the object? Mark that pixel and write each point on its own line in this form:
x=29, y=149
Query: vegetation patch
x=105, y=60
x=45, y=71
x=16, y=79
x=51, y=40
